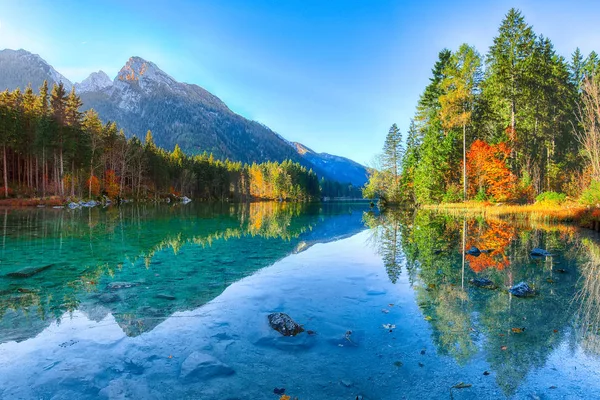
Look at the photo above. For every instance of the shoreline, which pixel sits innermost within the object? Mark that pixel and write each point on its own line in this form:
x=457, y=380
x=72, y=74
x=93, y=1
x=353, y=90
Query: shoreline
x=60, y=202
x=584, y=216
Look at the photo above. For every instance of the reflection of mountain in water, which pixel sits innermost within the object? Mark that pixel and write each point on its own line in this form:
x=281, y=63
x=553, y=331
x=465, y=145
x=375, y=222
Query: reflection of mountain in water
x=143, y=263
x=466, y=320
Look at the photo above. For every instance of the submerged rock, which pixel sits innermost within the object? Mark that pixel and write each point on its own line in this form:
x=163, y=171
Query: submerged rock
x=109, y=298
x=521, y=289
x=284, y=324
x=28, y=272
x=164, y=296
x=121, y=285
x=483, y=283
x=537, y=252
x=198, y=366
x=474, y=251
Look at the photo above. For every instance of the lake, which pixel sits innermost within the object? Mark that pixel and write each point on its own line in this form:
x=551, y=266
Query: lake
x=171, y=301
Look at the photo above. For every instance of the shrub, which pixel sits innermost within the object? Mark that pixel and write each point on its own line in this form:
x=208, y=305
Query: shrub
x=454, y=194
x=591, y=195
x=481, y=196
x=551, y=198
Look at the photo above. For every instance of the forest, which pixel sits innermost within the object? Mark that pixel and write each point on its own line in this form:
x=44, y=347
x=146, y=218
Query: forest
x=517, y=124
x=50, y=148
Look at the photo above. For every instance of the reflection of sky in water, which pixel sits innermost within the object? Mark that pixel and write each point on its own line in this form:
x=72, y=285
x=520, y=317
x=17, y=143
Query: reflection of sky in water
x=331, y=287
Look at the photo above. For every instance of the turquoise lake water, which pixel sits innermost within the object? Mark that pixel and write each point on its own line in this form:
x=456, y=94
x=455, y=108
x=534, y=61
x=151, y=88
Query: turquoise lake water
x=153, y=302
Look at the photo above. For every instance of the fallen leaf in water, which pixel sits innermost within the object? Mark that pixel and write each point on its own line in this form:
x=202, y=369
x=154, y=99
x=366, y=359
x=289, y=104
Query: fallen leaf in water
x=462, y=385
x=428, y=318
x=431, y=285
x=170, y=356
x=385, y=311
x=279, y=391
x=550, y=280
x=502, y=334
x=555, y=331
x=285, y=397
x=503, y=348
x=421, y=364
x=552, y=387
x=391, y=305
x=423, y=352
x=486, y=373
x=309, y=332
x=517, y=330
x=398, y=363
x=562, y=271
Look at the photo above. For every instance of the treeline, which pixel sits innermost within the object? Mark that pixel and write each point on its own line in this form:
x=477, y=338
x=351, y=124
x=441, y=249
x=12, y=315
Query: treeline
x=507, y=126
x=50, y=148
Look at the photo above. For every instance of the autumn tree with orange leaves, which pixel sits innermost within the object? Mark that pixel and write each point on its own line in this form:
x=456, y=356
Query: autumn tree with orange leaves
x=488, y=172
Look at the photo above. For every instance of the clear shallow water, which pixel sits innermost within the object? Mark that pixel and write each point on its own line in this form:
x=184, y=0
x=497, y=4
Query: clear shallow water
x=136, y=296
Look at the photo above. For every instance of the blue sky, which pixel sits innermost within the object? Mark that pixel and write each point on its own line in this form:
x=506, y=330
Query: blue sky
x=333, y=75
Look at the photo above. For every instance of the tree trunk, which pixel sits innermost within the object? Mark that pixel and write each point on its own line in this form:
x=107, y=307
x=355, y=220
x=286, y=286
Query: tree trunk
x=44, y=172
x=464, y=162
x=61, y=172
x=5, y=173
x=73, y=178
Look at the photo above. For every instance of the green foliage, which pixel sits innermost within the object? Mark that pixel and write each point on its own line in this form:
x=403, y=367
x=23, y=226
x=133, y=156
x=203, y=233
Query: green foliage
x=454, y=194
x=591, y=196
x=526, y=98
x=386, y=183
x=481, y=195
x=50, y=147
x=551, y=198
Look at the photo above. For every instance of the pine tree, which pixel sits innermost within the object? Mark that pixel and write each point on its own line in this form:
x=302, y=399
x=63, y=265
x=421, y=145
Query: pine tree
x=58, y=100
x=393, y=151
x=508, y=66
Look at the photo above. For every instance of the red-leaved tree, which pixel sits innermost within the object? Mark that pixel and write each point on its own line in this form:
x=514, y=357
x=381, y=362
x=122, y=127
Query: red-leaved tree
x=487, y=170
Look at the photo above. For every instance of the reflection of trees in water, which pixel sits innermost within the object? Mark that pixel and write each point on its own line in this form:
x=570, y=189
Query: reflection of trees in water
x=464, y=320
x=386, y=238
x=448, y=309
x=114, y=242
x=494, y=237
x=588, y=298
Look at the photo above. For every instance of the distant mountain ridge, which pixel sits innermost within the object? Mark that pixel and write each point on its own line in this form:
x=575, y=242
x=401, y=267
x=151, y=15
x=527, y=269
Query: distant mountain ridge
x=337, y=168
x=96, y=81
x=142, y=97
x=18, y=68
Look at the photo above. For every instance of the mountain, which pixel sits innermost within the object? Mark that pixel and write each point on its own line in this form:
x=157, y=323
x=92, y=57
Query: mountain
x=18, y=68
x=95, y=82
x=142, y=97
x=335, y=168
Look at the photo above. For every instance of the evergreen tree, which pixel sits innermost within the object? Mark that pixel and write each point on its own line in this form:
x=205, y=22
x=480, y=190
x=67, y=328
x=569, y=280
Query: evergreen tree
x=507, y=76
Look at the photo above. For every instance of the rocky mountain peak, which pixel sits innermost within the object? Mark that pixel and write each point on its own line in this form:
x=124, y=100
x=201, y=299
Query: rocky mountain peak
x=95, y=82
x=138, y=69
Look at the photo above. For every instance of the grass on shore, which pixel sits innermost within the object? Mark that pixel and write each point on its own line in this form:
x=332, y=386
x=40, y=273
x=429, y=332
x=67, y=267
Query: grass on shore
x=32, y=202
x=566, y=212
